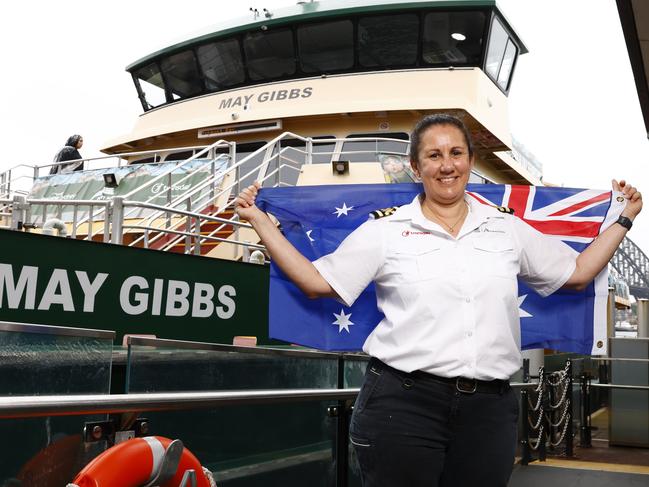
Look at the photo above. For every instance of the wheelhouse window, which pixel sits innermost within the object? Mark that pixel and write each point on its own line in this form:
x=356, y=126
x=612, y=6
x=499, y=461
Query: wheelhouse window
x=416, y=38
x=269, y=54
x=388, y=40
x=453, y=38
x=326, y=47
x=180, y=72
x=151, y=86
x=369, y=150
x=221, y=64
x=501, y=55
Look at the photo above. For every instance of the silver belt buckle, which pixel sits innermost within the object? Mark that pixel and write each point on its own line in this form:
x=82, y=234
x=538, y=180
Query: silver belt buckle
x=467, y=386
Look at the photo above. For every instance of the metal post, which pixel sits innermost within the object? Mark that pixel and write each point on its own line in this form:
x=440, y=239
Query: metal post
x=188, y=225
x=569, y=431
x=342, y=431
x=525, y=434
x=18, y=213
x=610, y=315
x=118, y=220
x=233, y=161
x=526, y=370
x=544, y=430
x=643, y=318
x=585, y=429
x=309, y=150
x=169, y=203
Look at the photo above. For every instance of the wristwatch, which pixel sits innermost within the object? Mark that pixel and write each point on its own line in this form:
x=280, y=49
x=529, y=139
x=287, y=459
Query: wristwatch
x=625, y=222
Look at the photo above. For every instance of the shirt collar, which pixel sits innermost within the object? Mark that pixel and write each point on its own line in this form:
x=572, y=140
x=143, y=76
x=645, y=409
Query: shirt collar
x=477, y=215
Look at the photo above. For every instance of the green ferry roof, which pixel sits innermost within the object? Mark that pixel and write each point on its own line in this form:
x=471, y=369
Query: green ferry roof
x=317, y=10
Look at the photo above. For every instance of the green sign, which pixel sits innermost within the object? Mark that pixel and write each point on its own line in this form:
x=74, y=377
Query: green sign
x=67, y=282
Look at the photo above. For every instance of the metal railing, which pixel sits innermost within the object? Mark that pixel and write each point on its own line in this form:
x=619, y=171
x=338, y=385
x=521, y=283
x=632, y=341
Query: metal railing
x=180, y=220
x=14, y=407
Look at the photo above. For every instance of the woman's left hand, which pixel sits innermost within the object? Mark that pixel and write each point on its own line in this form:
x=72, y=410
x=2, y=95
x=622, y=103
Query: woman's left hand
x=632, y=196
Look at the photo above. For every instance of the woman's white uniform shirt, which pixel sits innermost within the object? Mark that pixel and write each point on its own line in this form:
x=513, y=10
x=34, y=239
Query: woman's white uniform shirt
x=450, y=304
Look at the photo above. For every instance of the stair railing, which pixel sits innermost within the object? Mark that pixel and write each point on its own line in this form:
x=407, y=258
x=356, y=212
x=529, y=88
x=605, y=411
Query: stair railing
x=169, y=171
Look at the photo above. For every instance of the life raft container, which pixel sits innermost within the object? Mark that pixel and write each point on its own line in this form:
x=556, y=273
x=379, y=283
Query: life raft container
x=136, y=462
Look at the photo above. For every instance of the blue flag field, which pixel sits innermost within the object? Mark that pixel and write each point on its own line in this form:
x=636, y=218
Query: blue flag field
x=317, y=218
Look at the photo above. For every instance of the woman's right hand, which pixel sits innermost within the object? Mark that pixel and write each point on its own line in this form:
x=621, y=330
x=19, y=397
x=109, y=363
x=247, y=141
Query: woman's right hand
x=245, y=206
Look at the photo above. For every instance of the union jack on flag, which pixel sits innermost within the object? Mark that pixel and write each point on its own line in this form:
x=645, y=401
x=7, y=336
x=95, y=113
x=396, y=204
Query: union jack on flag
x=317, y=218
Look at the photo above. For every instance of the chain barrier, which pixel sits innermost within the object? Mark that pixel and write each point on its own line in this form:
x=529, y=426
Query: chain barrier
x=548, y=408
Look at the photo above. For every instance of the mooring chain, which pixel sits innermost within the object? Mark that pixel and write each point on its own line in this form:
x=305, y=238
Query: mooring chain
x=563, y=433
x=539, y=397
x=563, y=416
x=552, y=384
x=538, y=421
x=564, y=392
x=538, y=440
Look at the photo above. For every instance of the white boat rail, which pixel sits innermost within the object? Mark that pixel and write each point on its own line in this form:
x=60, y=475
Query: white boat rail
x=180, y=219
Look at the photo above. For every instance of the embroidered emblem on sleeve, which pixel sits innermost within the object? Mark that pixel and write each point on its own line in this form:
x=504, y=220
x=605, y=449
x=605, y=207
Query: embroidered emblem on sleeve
x=383, y=212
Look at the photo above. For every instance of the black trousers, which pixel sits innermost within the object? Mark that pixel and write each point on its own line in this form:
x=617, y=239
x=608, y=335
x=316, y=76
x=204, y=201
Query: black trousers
x=413, y=431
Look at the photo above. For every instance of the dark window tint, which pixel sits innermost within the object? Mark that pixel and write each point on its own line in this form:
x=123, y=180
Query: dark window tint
x=179, y=156
x=269, y=54
x=453, y=37
x=221, y=64
x=497, y=44
x=326, y=47
x=147, y=160
x=181, y=75
x=150, y=81
x=388, y=40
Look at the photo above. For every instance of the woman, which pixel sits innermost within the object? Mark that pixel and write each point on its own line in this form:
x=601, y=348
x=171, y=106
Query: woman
x=436, y=408
x=69, y=153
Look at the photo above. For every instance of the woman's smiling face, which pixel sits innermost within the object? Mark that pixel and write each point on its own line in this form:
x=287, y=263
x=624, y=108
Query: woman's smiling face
x=444, y=164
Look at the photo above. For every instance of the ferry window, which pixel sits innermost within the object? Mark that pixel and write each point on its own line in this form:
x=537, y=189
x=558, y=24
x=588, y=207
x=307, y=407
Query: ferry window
x=326, y=47
x=323, y=151
x=453, y=37
x=388, y=40
x=151, y=85
x=269, y=54
x=497, y=44
x=221, y=64
x=507, y=65
x=251, y=166
x=181, y=74
x=179, y=156
x=147, y=160
x=369, y=150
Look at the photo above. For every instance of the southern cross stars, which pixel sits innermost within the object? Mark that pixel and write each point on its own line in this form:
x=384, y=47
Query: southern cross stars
x=343, y=210
x=521, y=312
x=342, y=321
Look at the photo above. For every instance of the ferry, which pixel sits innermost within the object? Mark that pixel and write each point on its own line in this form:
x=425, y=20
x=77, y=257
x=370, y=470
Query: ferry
x=161, y=289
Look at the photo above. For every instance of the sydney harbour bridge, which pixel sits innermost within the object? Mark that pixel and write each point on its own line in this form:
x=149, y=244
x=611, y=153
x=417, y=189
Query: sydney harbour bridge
x=633, y=265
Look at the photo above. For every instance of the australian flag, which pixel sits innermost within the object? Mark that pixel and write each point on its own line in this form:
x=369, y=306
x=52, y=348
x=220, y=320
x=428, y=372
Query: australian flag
x=317, y=218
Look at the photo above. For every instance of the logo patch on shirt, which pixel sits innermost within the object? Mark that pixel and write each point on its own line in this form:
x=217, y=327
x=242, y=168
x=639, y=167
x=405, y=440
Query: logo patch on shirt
x=408, y=233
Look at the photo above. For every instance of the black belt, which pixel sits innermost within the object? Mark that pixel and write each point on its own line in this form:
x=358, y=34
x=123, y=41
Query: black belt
x=461, y=384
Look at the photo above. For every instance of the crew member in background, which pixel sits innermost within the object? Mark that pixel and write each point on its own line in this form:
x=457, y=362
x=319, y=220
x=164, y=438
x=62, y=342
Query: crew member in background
x=69, y=153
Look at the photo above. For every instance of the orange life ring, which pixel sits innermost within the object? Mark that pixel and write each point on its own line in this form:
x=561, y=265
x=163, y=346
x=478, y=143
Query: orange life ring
x=134, y=463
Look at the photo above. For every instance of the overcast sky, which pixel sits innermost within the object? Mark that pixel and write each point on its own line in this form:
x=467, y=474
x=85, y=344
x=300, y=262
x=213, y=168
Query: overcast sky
x=573, y=101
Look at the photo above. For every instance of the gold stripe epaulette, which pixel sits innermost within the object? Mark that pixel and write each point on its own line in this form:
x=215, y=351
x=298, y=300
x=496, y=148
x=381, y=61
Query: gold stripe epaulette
x=383, y=212
x=504, y=209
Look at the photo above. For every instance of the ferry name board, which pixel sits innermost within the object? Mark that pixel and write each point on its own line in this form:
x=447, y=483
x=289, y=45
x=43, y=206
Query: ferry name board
x=67, y=282
x=243, y=101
